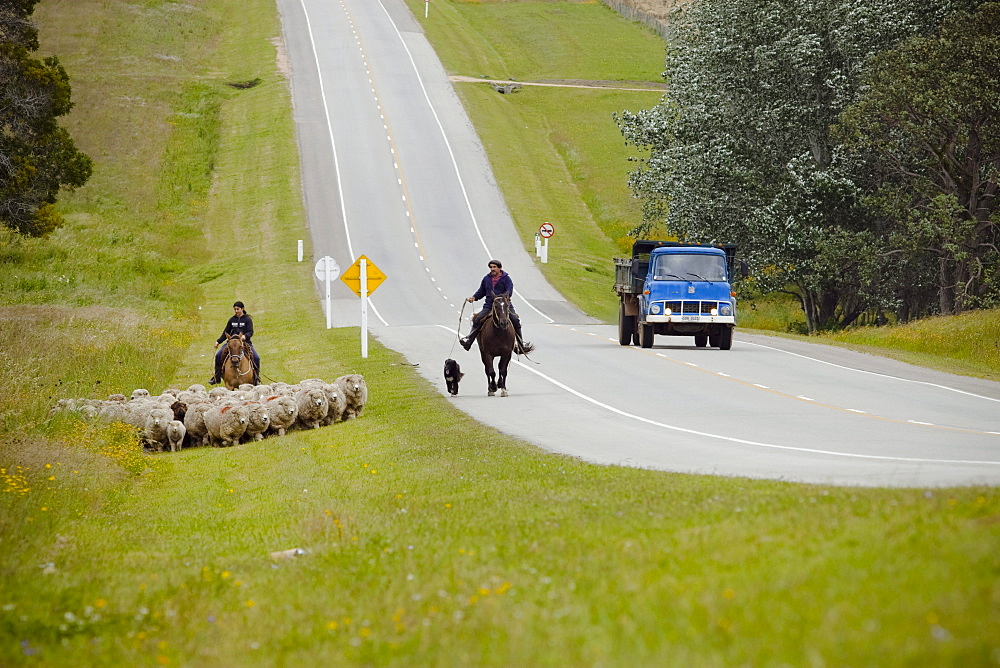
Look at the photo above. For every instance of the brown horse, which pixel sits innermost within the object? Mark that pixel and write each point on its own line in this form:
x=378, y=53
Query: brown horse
x=496, y=339
x=238, y=367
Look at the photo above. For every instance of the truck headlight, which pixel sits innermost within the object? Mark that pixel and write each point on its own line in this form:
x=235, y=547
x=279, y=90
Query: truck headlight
x=654, y=308
x=715, y=311
x=667, y=311
x=726, y=309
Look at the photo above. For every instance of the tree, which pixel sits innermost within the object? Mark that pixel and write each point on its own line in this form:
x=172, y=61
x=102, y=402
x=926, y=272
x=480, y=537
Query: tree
x=37, y=156
x=929, y=118
x=741, y=149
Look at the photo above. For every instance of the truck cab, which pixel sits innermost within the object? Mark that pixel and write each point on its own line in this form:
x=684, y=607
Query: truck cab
x=676, y=289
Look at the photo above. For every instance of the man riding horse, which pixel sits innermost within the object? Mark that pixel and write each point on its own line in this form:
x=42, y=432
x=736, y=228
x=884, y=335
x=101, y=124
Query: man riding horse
x=241, y=325
x=497, y=282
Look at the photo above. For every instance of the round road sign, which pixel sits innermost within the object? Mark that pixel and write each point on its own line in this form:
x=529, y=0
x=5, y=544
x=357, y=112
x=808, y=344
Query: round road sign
x=546, y=230
x=321, y=268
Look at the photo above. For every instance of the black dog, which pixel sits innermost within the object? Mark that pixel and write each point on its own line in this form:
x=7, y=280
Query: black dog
x=452, y=374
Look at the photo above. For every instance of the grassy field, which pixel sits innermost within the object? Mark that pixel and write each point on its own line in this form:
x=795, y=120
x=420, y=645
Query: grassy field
x=429, y=539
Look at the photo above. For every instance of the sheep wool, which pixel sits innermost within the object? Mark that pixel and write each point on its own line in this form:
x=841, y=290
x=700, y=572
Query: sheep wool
x=282, y=411
x=226, y=424
x=175, y=435
x=313, y=407
x=355, y=392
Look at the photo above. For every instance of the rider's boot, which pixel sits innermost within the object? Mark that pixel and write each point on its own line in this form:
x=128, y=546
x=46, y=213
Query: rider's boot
x=467, y=341
x=217, y=377
x=518, y=339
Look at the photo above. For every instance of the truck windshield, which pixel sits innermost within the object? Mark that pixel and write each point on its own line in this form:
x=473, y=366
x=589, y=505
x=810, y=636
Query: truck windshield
x=689, y=266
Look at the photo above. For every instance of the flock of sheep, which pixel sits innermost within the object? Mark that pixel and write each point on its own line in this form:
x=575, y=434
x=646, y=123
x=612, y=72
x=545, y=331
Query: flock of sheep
x=219, y=417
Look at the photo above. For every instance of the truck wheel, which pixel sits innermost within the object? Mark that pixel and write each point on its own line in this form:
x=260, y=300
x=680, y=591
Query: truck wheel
x=626, y=326
x=713, y=340
x=726, y=338
x=700, y=340
x=645, y=336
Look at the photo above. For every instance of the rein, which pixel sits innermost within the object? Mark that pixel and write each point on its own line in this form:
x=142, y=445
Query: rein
x=236, y=359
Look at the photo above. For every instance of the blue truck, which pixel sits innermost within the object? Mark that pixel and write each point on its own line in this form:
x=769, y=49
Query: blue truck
x=677, y=289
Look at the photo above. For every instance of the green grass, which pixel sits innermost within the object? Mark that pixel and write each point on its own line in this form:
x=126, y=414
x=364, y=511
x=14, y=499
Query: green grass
x=556, y=152
x=430, y=539
x=967, y=344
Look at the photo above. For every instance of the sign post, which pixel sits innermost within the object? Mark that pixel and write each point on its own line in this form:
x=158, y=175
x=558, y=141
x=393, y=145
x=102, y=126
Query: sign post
x=327, y=270
x=545, y=230
x=363, y=277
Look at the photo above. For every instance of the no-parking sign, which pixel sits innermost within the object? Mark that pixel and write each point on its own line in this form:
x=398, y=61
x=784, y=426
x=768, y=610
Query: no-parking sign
x=546, y=230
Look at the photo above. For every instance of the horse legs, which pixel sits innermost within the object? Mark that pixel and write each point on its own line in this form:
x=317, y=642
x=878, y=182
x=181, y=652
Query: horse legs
x=502, y=378
x=491, y=375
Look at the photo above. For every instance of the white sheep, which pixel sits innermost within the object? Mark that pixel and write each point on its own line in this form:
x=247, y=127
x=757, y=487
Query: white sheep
x=258, y=421
x=337, y=402
x=140, y=393
x=355, y=392
x=113, y=411
x=217, y=392
x=175, y=435
x=313, y=407
x=138, y=410
x=155, y=429
x=282, y=412
x=194, y=422
x=226, y=424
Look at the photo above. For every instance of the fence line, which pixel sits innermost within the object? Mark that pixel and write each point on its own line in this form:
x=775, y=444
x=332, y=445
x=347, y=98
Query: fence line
x=635, y=14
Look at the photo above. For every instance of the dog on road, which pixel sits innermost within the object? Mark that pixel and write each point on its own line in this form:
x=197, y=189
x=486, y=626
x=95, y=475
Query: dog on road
x=452, y=374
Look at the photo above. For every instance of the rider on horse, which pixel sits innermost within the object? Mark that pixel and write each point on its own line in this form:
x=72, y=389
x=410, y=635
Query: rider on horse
x=241, y=325
x=497, y=282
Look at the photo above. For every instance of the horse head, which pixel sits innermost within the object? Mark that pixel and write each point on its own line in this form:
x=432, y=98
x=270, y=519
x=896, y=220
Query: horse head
x=501, y=312
x=235, y=349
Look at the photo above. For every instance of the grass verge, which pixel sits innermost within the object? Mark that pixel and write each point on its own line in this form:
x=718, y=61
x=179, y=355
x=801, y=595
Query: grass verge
x=429, y=539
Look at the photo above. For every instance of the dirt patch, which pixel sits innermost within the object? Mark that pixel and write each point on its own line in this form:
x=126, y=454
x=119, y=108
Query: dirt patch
x=569, y=83
x=282, y=59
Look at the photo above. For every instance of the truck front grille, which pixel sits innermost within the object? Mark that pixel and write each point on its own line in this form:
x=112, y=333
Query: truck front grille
x=691, y=307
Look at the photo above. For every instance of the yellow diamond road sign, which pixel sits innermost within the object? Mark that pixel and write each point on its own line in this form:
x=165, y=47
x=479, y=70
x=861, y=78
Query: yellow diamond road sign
x=352, y=277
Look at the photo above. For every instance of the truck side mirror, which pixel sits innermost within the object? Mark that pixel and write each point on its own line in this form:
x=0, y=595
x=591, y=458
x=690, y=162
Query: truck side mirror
x=744, y=268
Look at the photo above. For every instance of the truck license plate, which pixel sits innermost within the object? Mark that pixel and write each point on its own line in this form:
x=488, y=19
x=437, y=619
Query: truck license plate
x=689, y=318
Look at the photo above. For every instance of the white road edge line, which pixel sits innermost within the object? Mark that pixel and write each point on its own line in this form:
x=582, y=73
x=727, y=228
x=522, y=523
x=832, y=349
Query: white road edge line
x=333, y=145
x=873, y=373
x=731, y=439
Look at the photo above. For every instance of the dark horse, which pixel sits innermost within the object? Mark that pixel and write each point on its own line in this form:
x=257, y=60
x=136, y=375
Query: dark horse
x=238, y=368
x=497, y=339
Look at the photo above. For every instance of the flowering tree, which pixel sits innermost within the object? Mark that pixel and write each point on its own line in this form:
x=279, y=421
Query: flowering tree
x=37, y=156
x=741, y=148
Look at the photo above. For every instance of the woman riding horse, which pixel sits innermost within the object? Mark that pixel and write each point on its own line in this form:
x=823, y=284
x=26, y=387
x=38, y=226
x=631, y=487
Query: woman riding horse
x=240, y=325
x=497, y=282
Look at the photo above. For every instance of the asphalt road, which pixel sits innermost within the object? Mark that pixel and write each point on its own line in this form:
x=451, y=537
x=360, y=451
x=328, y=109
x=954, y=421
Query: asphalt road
x=392, y=169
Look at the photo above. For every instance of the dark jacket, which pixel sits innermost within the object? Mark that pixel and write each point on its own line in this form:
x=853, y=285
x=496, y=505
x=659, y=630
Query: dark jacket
x=238, y=325
x=504, y=286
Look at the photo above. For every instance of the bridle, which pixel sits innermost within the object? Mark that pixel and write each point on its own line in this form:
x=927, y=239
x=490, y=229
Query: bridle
x=501, y=312
x=235, y=359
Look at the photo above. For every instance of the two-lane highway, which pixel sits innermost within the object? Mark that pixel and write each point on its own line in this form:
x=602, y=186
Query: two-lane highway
x=393, y=169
